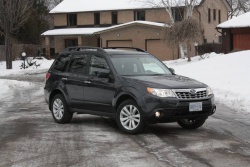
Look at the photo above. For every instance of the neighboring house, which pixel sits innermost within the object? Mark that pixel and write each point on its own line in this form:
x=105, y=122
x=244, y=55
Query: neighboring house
x=107, y=23
x=236, y=33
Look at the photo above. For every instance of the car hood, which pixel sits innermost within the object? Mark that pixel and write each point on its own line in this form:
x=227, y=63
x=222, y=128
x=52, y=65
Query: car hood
x=167, y=81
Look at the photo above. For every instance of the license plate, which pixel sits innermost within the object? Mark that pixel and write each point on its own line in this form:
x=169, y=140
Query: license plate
x=195, y=106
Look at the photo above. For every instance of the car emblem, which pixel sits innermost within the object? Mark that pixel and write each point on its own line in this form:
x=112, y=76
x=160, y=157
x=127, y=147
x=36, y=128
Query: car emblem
x=192, y=91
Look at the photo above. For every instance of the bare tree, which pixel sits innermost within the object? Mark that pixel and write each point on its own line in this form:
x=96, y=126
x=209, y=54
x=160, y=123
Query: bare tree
x=13, y=14
x=178, y=30
x=52, y=3
x=238, y=7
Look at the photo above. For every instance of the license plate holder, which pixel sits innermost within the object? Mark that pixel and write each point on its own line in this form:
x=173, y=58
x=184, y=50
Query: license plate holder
x=195, y=106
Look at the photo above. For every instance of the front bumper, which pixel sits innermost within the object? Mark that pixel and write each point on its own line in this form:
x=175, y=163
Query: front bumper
x=173, y=109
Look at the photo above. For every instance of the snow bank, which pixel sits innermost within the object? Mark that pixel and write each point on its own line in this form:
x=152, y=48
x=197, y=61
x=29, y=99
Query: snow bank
x=228, y=75
x=8, y=88
x=45, y=64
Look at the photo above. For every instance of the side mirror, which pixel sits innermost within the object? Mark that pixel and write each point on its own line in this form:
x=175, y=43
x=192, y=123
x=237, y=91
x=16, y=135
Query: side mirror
x=103, y=74
x=172, y=70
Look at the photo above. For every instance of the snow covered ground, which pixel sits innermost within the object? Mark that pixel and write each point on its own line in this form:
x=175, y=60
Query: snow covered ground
x=228, y=76
x=45, y=64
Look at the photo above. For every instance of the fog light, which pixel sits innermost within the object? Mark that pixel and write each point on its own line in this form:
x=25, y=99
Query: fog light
x=157, y=114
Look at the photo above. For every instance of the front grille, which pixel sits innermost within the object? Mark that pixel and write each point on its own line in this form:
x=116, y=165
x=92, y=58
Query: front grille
x=191, y=93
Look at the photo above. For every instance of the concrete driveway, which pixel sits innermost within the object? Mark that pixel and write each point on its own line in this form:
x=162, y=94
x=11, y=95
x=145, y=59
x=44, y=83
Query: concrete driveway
x=30, y=137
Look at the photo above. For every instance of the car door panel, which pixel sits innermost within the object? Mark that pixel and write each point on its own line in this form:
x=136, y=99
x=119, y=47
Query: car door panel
x=75, y=80
x=99, y=92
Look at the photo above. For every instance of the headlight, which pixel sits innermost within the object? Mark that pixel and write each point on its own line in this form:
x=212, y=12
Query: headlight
x=209, y=91
x=161, y=92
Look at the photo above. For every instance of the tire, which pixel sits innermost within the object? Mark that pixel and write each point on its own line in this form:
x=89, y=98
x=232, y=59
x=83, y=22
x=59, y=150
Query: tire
x=191, y=123
x=59, y=110
x=129, y=118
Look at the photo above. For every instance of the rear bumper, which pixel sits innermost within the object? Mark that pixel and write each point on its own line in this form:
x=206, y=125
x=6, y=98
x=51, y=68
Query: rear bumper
x=173, y=109
x=46, y=96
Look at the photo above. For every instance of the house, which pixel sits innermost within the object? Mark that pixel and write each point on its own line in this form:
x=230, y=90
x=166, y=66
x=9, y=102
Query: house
x=236, y=33
x=127, y=23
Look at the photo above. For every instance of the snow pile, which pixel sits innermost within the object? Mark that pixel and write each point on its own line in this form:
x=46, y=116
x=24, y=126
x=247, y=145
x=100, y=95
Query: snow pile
x=45, y=65
x=9, y=87
x=228, y=76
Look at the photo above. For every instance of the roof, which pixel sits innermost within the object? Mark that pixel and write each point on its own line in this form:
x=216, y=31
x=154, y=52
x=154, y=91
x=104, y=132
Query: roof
x=146, y=23
x=72, y=31
x=71, y=6
x=237, y=22
x=91, y=31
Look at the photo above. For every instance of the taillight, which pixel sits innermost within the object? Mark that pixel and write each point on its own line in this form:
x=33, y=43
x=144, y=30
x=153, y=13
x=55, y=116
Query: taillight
x=47, y=76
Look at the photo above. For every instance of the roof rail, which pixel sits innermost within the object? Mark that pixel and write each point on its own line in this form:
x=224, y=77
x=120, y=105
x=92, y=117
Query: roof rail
x=82, y=48
x=137, y=49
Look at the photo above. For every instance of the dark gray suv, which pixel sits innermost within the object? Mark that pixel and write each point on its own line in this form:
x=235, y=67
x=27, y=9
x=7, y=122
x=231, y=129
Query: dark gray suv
x=130, y=86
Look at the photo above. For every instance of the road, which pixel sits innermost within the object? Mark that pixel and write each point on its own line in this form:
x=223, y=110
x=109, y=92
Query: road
x=29, y=137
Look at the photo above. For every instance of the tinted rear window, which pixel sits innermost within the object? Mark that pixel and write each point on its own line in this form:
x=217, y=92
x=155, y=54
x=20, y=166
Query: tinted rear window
x=62, y=62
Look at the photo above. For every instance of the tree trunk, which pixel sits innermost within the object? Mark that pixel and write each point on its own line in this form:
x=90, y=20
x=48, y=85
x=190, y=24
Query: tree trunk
x=182, y=51
x=188, y=51
x=8, y=51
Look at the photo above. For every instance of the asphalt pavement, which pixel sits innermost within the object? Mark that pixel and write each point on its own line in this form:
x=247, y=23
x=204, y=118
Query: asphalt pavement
x=30, y=137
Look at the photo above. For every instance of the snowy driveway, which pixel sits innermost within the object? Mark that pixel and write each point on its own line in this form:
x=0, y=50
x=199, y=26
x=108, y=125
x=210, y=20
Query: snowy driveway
x=29, y=137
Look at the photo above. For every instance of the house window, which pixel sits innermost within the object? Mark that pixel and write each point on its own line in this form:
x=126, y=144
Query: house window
x=220, y=39
x=114, y=17
x=219, y=15
x=214, y=14
x=178, y=14
x=209, y=15
x=97, y=18
x=71, y=42
x=72, y=19
x=139, y=15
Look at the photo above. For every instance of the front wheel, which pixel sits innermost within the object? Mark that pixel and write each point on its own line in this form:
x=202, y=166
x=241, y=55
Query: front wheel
x=129, y=117
x=191, y=123
x=60, y=111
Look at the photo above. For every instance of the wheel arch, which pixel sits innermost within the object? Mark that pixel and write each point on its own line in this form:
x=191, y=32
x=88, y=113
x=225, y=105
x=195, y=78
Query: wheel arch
x=122, y=98
x=53, y=94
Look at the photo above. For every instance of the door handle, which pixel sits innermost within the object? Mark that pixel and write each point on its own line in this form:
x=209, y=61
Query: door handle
x=87, y=82
x=64, y=79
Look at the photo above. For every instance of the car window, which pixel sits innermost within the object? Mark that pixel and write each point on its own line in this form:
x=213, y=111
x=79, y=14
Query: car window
x=62, y=62
x=152, y=67
x=78, y=64
x=133, y=65
x=98, y=66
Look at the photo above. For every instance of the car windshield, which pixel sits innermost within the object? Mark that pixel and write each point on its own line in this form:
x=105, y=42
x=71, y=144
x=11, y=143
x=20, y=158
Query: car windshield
x=136, y=65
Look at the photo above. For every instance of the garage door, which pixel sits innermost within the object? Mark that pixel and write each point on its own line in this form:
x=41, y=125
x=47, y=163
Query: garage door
x=125, y=43
x=159, y=49
x=241, y=41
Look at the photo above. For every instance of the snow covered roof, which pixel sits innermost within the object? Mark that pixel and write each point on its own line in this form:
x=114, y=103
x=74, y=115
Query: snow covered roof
x=91, y=31
x=237, y=22
x=148, y=23
x=72, y=31
x=70, y=6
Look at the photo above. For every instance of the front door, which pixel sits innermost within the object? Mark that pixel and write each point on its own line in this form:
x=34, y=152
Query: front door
x=99, y=92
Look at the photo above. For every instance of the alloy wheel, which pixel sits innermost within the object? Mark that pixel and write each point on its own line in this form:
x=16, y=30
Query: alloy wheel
x=130, y=117
x=58, y=109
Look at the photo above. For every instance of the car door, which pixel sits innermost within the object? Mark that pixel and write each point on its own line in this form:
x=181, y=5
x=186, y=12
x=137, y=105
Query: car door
x=99, y=92
x=75, y=79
